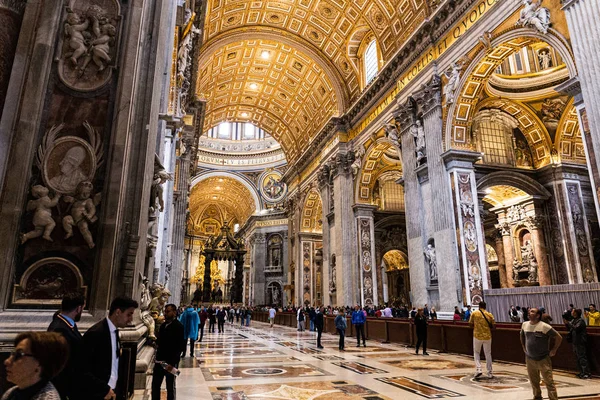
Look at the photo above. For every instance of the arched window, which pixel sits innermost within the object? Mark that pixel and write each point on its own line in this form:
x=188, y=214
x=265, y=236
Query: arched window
x=370, y=62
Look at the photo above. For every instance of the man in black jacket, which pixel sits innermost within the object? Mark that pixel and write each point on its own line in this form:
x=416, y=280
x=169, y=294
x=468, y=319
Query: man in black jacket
x=578, y=337
x=102, y=349
x=319, y=322
x=221, y=313
x=171, y=343
x=68, y=382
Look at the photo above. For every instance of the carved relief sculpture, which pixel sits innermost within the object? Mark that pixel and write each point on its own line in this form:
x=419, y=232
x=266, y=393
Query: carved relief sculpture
x=533, y=15
x=42, y=218
x=82, y=212
x=89, y=46
x=145, y=300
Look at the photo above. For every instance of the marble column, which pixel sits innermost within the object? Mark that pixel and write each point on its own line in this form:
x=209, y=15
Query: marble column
x=583, y=20
x=499, y=247
x=509, y=253
x=324, y=187
x=344, y=229
x=460, y=165
x=535, y=226
x=365, y=229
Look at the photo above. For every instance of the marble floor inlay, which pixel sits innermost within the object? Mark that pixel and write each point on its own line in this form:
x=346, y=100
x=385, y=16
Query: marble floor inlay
x=260, y=362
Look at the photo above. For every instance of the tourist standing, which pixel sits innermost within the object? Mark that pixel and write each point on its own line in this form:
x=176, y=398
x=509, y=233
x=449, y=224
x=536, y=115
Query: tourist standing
x=300, y=319
x=482, y=323
x=468, y=313
x=358, y=320
x=433, y=314
x=426, y=311
x=535, y=339
x=248, y=316
x=221, y=316
x=311, y=318
x=340, y=325
x=421, y=326
x=203, y=316
x=319, y=322
x=171, y=343
x=272, y=313
x=387, y=312
x=212, y=319
x=578, y=338
x=593, y=316
x=190, y=321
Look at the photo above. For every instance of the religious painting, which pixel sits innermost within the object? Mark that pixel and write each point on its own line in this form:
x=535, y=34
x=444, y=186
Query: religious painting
x=271, y=187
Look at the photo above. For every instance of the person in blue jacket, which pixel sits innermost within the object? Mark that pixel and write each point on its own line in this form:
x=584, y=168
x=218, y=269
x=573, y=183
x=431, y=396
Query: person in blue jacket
x=358, y=320
x=190, y=320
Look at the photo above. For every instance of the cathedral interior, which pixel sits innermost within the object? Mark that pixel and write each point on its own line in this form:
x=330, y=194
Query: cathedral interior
x=298, y=152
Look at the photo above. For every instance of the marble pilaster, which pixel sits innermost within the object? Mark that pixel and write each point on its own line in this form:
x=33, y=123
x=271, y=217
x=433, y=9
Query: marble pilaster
x=499, y=247
x=509, y=253
x=365, y=229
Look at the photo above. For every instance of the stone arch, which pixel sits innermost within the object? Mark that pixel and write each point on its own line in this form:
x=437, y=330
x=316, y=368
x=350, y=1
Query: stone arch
x=372, y=169
x=259, y=205
x=530, y=125
x=312, y=212
x=483, y=64
x=568, y=142
x=514, y=179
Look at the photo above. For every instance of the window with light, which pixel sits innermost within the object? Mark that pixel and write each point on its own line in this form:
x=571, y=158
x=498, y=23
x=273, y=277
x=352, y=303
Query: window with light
x=371, y=62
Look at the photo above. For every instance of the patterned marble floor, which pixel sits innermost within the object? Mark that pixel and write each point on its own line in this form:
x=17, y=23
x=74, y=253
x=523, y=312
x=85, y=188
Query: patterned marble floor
x=260, y=362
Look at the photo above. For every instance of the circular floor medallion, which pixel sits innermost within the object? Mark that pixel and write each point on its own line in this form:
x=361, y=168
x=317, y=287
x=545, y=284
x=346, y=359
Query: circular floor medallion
x=264, y=371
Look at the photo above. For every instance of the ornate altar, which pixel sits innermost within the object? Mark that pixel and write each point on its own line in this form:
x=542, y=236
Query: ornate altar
x=224, y=248
x=525, y=272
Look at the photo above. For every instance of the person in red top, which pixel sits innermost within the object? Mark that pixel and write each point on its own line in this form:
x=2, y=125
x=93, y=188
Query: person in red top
x=456, y=316
x=203, y=316
x=378, y=313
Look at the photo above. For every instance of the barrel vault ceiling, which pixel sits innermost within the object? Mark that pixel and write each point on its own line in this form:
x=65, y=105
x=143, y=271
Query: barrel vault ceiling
x=291, y=65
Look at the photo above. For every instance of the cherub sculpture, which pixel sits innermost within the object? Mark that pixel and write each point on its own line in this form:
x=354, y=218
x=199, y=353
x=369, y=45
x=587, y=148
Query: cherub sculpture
x=75, y=30
x=100, y=47
x=83, y=212
x=145, y=300
x=42, y=218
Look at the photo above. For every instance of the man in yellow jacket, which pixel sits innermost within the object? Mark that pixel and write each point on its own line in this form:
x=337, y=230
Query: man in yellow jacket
x=593, y=316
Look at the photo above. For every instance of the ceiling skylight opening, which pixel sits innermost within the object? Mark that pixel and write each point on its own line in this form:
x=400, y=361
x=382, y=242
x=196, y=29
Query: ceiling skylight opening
x=253, y=86
x=265, y=54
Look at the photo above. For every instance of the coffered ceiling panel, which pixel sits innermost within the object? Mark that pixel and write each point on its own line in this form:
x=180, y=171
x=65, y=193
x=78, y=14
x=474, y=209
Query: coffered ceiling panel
x=277, y=87
x=229, y=197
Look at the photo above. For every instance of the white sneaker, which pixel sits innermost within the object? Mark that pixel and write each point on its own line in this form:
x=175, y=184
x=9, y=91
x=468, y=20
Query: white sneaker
x=490, y=375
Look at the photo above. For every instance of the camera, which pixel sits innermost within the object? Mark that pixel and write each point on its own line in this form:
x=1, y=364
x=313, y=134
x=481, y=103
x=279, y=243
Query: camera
x=567, y=315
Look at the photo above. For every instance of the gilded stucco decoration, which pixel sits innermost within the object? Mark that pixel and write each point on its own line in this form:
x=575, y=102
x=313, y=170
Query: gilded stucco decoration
x=381, y=158
x=569, y=143
x=395, y=260
x=502, y=195
x=217, y=200
x=312, y=213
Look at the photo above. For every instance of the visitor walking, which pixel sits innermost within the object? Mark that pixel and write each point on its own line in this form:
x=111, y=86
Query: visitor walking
x=212, y=319
x=482, y=323
x=340, y=325
x=300, y=319
x=171, y=343
x=221, y=316
x=190, y=321
x=577, y=336
x=358, y=320
x=319, y=322
x=272, y=313
x=421, y=326
x=536, y=337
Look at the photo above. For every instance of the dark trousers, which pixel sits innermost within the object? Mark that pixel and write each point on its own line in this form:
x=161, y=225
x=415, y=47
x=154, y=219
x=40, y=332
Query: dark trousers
x=580, y=351
x=211, y=327
x=157, y=378
x=342, y=333
x=221, y=326
x=360, y=332
x=422, y=338
x=201, y=330
x=319, y=332
x=192, y=341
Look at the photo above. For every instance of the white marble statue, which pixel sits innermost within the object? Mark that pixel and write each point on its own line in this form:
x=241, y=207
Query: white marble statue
x=391, y=132
x=545, y=59
x=430, y=256
x=74, y=28
x=418, y=132
x=43, y=222
x=71, y=173
x=535, y=16
x=145, y=300
x=453, y=75
x=357, y=164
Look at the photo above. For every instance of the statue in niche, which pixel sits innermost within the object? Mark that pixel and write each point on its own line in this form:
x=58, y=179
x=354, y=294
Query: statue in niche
x=145, y=300
x=157, y=202
x=535, y=16
x=275, y=294
x=357, y=164
x=430, y=256
x=82, y=212
x=418, y=132
x=333, y=279
x=545, y=59
x=523, y=154
x=391, y=132
x=43, y=222
x=453, y=75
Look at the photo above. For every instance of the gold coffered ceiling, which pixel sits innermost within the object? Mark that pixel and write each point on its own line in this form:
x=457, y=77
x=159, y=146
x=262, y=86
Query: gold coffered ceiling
x=312, y=73
x=233, y=200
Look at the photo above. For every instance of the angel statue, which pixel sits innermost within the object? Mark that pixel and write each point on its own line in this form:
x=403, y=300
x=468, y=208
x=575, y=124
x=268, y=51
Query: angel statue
x=391, y=132
x=534, y=15
x=453, y=75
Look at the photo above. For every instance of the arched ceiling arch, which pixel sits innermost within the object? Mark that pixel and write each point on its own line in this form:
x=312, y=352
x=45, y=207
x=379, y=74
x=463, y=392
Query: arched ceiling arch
x=374, y=164
x=312, y=213
x=232, y=199
x=569, y=142
x=286, y=93
x=531, y=126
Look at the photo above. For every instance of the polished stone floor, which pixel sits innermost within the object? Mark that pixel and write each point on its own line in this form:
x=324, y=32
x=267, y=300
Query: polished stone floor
x=259, y=362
